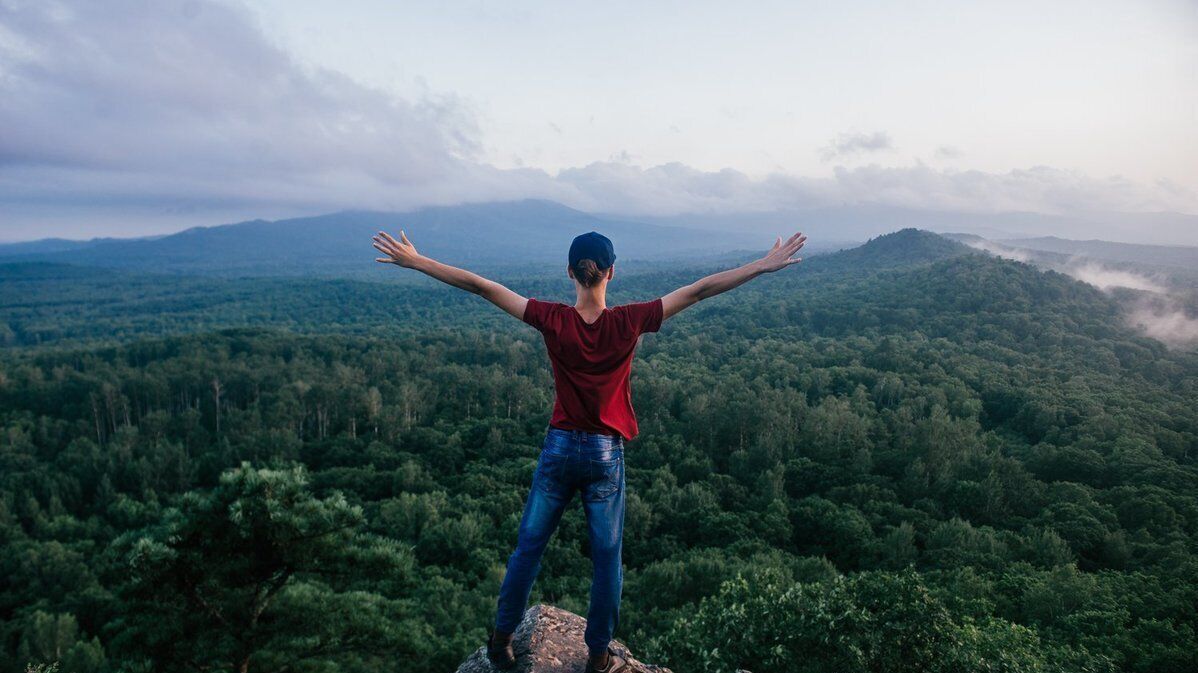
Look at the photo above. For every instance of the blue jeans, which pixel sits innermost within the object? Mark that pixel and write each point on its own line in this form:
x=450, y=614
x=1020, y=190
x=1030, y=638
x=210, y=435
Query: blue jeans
x=572, y=461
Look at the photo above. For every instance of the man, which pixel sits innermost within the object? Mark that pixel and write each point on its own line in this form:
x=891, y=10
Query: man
x=591, y=347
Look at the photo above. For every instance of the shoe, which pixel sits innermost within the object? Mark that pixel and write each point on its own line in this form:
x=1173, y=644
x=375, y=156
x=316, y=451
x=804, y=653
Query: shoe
x=615, y=664
x=499, y=651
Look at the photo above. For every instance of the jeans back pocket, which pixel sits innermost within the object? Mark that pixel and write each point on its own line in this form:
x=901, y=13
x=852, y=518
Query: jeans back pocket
x=606, y=477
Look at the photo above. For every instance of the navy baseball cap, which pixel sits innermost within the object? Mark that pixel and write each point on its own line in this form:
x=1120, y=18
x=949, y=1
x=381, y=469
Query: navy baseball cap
x=595, y=247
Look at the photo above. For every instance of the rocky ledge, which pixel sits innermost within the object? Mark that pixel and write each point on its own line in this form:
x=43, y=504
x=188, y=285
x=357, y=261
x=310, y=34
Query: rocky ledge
x=549, y=640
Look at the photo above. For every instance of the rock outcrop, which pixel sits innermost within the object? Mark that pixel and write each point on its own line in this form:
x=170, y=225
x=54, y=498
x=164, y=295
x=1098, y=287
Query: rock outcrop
x=549, y=640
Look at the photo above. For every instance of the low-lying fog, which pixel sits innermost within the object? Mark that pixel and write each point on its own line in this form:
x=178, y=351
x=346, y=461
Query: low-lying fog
x=1157, y=309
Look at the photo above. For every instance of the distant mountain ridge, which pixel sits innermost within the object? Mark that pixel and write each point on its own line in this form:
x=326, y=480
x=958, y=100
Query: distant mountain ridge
x=491, y=236
x=1185, y=256
x=1135, y=266
x=508, y=232
x=43, y=246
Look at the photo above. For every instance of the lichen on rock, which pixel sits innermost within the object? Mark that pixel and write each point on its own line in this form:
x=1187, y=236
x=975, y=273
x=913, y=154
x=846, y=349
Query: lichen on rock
x=550, y=640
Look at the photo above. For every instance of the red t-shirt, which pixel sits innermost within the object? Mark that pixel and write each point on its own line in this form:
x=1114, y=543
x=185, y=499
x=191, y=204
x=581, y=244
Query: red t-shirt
x=591, y=362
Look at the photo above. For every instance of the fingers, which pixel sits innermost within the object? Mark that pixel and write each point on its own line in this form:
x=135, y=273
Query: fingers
x=383, y=249
x=389, y=245
x=384, y=260
x=390, y=239
x=797, y=241
x=404, y=237
x=792, y=245
x=793, y=242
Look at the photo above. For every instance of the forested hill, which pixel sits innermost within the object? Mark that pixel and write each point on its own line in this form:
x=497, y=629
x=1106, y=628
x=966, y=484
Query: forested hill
x=906, y=247
x=49, y=305
x=896, y=458
x=52, y=304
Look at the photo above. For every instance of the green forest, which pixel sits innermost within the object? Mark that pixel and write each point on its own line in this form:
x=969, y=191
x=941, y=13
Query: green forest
x=901, y=457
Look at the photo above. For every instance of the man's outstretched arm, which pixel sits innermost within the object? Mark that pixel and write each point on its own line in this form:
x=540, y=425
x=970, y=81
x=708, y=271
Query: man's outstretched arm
x=779, y=257
x=403, y=253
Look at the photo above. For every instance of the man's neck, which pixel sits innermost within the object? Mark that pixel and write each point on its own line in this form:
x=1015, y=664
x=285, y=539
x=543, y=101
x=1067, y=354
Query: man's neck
x=590, y=298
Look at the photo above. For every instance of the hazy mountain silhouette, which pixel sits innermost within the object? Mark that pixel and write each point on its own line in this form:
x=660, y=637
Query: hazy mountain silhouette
x=1167, y=255
x=493, y=233
x=513, y=233
x=53, y=245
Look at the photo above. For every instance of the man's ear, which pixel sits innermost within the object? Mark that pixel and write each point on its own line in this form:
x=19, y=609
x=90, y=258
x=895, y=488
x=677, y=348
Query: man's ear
x=569, y=271
x=611, y=271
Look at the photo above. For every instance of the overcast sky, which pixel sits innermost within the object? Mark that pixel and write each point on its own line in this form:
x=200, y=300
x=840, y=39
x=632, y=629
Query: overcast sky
x=127, y=117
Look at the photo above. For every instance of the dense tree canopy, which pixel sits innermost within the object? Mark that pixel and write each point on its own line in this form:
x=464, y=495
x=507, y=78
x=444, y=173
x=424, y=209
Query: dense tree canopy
x=901, y=458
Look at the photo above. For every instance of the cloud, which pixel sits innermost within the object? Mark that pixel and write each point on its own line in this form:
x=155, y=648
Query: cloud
x=1107, y=279
x=1157, y=310
x=999, y=250
x=180, y=108
x=1040, y=189
x=948, y=152
x=134, y=100
x=1165, y=321
x=850, y=144
x=619, y=187
x=675, y=188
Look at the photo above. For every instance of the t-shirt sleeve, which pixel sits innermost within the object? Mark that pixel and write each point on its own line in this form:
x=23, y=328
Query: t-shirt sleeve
x=536, y=312
x=645, y=316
